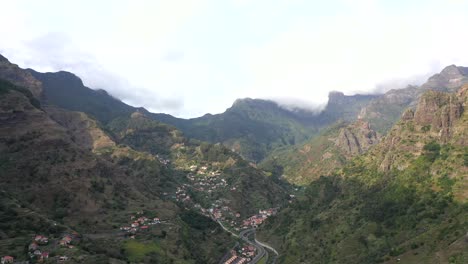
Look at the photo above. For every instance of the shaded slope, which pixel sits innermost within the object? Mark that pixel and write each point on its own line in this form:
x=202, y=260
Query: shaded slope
x=55, y=180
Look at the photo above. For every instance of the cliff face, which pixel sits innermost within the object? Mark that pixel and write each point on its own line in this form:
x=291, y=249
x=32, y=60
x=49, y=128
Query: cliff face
x=439, y=117
x=325, y=154
x=448, y=80
x=404, y=201
x=356, y=138
x=384, y=111
x=438, y=112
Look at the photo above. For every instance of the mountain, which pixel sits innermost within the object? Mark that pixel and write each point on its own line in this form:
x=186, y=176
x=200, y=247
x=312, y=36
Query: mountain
x=384, y=111
x=251, y=127
x=9, y=71
x=336, y=145
x=53, y=185
x=323, y=154
x=405, y=200
x=67, y=91
x=66, y=173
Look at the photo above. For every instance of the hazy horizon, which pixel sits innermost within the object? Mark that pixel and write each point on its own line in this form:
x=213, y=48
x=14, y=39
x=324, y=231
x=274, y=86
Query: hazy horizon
x=189, y=58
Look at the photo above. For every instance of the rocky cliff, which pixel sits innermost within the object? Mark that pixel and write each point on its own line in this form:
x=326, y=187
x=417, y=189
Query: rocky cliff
x=323, y=154
x=356, y=138
x=384, y=111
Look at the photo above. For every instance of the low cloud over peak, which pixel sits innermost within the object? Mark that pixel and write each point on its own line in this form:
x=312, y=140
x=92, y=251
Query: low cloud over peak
x=189, y=58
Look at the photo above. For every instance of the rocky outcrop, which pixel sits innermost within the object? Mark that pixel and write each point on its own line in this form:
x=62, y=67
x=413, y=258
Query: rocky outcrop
x=356, y=138
x=386, y=110
x=439, y=116
x=437, y=111
x=448, y=80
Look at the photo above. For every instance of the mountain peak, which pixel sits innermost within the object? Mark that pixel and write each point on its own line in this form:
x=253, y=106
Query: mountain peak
x=335, y=94
x=451, y=71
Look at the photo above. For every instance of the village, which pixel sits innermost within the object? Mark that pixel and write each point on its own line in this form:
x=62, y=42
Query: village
x=39, y=249
x=241, y=254
x=202, y=193
x=139, y=223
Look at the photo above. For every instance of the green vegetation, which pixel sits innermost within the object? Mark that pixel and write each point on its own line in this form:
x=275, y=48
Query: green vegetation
x=137, y=251
x=6, y=86
x=197, y=221
x=406, y=199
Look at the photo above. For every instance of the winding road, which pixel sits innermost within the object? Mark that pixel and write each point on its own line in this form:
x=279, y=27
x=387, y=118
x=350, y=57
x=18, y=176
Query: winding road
x=260, y=246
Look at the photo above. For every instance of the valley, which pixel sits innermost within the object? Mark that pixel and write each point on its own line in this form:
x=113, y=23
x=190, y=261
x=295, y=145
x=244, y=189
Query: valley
x=86, y=178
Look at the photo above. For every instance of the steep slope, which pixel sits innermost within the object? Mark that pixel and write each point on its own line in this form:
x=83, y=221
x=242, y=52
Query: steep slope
x=254, y=127
x=323, y=154
x=403, y=201
x=19, y=77
x=48, y=179
x=384, y=111
x=251, y=127
x=90, y=178
x=65, y=90
x=253, y=190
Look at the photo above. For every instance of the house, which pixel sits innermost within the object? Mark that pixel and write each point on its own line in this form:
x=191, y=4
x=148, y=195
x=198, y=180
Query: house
x=63, y=258
x=67, y=238
x=37, y=253
x=145, y=227
x=33, y=246
x=65, y=241
x=7, y=259
x=231, y=260
x=45, y=255
x=242, y=261
x=41, y=239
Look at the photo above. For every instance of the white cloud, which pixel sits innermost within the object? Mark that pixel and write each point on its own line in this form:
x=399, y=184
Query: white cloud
x=189, y=57
x=356, y=53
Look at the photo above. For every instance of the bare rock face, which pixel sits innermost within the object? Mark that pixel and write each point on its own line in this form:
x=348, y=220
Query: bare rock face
x=438, y=111
x=356, y=138
x=408, y=115
x=448, y=80
x=438, y=116
x=14, y=74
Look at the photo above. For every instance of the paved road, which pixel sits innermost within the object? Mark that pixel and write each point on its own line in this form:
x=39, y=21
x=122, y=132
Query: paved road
x=260, y=246
x=244, y=235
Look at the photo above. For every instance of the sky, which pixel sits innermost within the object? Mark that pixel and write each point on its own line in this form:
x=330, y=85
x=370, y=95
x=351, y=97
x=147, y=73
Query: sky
x=191, y=57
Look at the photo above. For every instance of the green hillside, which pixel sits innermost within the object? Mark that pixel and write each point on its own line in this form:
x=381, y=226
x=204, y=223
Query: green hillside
x=405, y=199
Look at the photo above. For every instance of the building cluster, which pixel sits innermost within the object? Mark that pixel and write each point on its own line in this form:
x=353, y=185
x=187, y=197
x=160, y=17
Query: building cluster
x=242, y=254
x=207, y=183
x=204, y=170
x=258, y=219
x=235, y=260
x=163, y=160
x=7, y=259
x=139, y=222
x=34, y=250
